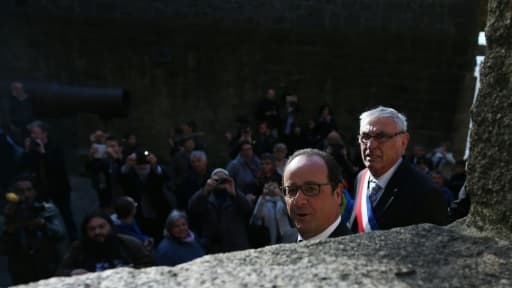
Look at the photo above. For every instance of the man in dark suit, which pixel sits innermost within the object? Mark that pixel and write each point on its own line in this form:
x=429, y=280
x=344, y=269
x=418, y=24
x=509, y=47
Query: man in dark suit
x=390, y=192
x=312, y=185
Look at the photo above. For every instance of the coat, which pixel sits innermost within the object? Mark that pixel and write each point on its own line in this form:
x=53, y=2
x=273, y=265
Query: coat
x=409, y=198
x=222, y=225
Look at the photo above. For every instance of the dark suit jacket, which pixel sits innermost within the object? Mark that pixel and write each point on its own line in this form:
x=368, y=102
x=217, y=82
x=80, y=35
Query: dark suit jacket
x=410, y=198
x=341, y=230
x=153, y=187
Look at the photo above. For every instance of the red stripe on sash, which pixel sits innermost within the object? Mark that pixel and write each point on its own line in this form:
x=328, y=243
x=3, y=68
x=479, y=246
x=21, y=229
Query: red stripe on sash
x=359, y=212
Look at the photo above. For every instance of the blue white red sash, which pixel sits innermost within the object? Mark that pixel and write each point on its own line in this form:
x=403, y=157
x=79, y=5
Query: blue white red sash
x=364, y=213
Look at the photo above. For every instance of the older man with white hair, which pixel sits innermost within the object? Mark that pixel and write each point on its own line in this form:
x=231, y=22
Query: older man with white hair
x=389, y=192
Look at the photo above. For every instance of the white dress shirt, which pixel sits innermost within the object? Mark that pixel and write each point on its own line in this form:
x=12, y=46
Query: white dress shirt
x=325, y=234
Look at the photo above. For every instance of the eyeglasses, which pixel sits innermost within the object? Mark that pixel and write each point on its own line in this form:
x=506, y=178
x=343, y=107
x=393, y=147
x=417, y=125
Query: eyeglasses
x=380, y=137
x=309, y=190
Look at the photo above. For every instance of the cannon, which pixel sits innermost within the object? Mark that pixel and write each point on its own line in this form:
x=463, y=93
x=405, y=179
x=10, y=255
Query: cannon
x=54, y=100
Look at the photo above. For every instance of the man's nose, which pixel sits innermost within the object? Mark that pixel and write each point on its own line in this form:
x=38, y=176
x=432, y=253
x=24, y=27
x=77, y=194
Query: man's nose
x=300, y=199
x=371, y=143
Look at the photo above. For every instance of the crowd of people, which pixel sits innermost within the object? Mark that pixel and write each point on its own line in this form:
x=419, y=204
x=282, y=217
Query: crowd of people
x=283, y=184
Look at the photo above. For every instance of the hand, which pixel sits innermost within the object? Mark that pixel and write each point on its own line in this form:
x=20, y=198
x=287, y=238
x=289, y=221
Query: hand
x=210, y=185
x=271, y=189
x=79, y=271
x=41, y=146
x=112, y=154
x=148, y=244
x=152, y=160
x=251, y=198
x=92, y=151
x=229, y=185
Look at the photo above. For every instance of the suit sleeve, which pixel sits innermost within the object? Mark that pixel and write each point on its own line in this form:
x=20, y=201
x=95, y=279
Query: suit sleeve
x=437, y=207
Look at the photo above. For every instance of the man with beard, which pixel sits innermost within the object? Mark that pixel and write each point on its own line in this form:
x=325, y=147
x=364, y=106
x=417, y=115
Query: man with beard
x=390, y=192
x=102, y=249
x=221, y=214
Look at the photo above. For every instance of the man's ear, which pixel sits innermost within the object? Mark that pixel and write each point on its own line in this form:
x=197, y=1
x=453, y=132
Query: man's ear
x=339, y=193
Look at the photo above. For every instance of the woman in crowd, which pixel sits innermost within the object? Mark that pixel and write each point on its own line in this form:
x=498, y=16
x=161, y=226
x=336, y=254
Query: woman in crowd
x=180, y=244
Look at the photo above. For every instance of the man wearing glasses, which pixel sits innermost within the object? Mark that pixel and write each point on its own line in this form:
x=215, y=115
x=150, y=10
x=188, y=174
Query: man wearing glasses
x=390, y=192
x=313, y=193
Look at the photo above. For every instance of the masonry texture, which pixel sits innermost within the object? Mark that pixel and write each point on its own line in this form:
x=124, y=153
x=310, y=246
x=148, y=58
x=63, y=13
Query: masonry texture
x=416, y=256
x=212, y=60
x=491, y=152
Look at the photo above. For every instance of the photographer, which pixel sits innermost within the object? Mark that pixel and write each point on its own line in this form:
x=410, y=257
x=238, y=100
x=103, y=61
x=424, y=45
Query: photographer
x=221, y=214
x=104, y=164
x=45, y=161
x=144, y=181
x=33, y=236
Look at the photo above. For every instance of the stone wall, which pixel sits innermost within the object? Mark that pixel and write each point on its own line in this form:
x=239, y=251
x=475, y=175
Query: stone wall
x=211, y=61
x=416, y=256
x=491, y=153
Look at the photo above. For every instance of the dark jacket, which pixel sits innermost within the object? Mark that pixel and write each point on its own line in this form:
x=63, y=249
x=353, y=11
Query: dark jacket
x=33, y=253
x=222, y=224
x=51, y=177
x=341, y=230
x=129, y=252
x=410, y=198
x=152, y=187
x=172, y=251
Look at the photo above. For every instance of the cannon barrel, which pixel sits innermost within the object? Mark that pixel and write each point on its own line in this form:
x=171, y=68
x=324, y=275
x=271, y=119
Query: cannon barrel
x=52, y=100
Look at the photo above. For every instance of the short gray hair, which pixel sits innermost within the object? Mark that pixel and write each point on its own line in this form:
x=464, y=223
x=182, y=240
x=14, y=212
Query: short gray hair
x=198, y=154
x=174, y=216
x=381, y=112
x=280, y=146
x=38, y=124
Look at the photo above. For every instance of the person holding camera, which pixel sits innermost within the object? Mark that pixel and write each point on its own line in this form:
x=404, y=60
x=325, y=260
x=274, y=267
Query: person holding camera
x=104, y=164
x=44, y=160
x=270, y=223
x=144, y=181
x=34, y=234
x=220, y=214
x=97, y=167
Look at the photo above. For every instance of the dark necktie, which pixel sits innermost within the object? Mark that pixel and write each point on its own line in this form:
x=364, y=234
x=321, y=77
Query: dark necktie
x=373, y=193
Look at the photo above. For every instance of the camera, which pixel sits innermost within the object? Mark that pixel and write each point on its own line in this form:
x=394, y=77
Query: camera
x=18, y=202
x=101, y=150
x=222, y=181
x=142, y=157
x=34, y=145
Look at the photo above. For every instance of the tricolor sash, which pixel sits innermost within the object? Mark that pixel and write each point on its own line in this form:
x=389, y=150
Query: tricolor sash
x=365, y=220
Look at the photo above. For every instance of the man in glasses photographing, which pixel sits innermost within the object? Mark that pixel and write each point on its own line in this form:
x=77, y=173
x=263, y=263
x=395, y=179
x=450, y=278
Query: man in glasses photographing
x=389, y=192
x=312, y=186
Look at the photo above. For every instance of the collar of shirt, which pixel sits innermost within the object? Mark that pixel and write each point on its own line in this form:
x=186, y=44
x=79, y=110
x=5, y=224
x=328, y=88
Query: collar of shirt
x=384, y=179
x=325, y=234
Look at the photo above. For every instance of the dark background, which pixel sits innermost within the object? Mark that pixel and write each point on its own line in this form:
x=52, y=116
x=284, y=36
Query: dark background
x=210, y=61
